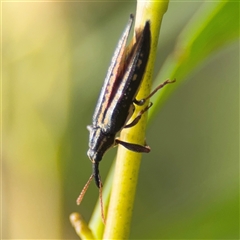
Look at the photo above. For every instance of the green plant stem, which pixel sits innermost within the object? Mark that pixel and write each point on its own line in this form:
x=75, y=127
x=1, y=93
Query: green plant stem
x=81, y=227
x=128, y=162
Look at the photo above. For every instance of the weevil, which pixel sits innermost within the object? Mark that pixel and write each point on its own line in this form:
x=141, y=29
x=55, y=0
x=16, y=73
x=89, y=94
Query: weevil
x=115, y=105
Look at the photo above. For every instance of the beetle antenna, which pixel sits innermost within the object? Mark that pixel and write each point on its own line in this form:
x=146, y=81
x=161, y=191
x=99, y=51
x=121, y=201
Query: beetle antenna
x=81, y=195
x=101, y=202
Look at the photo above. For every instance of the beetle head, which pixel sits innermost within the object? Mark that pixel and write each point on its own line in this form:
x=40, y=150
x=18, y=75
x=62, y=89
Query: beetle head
x=99, y=143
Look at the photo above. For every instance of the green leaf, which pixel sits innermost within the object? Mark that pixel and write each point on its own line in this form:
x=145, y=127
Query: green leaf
x=212, y=28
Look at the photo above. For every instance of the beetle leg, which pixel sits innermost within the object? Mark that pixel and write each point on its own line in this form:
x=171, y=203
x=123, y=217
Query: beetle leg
x=133, y=147
x=136, y=120
x=142, y=101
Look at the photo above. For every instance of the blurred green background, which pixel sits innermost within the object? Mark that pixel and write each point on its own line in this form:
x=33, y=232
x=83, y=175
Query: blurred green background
x=55, y=56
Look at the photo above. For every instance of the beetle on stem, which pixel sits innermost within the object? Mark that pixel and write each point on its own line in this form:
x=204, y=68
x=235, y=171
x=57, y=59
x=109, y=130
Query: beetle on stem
x=115, y=104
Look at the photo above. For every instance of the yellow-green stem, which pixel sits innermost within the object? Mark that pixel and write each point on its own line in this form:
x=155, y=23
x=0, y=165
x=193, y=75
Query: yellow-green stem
x=128, y=162
x=81, y=227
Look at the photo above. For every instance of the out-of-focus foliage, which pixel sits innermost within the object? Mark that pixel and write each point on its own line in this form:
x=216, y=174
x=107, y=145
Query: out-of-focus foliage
x=54, y=59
